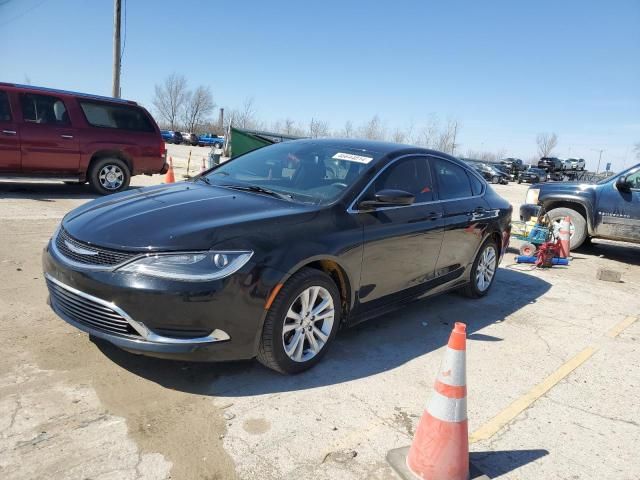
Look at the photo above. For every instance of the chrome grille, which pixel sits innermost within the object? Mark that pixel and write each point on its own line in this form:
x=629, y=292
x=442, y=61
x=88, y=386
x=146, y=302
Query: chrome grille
x=88, y=254
x=88, y=312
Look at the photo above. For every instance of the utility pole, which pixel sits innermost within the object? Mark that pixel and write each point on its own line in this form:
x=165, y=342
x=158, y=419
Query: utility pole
x=116, y=49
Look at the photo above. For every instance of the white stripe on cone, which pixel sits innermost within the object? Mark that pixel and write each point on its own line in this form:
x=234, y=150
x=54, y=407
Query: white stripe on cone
x=447, y=409
x=453, y=368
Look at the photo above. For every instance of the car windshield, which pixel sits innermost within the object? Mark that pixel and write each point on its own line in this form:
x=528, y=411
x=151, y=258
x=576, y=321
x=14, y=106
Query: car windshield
x=307, y=172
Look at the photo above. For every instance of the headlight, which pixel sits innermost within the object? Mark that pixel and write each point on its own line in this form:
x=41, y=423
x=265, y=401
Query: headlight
x=190, y=267
x=532, y=196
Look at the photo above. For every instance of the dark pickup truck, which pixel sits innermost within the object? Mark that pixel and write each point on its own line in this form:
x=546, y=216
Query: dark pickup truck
x=607, y=209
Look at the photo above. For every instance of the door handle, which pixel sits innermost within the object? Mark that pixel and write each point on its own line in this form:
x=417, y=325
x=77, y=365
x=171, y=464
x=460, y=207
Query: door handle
x=68, y=137
x=9, y=132
x=434, y=215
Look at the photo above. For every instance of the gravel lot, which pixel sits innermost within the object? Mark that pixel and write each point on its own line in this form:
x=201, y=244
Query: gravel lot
x=72, y=409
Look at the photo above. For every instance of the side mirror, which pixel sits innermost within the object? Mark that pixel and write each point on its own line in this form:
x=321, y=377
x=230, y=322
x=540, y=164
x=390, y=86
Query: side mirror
x=623, y=184
x=388, y=198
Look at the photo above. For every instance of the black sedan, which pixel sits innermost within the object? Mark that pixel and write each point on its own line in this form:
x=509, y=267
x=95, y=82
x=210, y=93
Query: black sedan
x=270, y=253
x=533, y=175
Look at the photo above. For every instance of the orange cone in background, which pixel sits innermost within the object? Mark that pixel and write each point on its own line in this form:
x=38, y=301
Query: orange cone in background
x=564, y=234
x=170, y=177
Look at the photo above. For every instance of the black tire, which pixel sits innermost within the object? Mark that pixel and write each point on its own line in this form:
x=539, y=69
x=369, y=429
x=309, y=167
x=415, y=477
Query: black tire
x=471, y=289
x=577, y=220
x=519, y=181
x=271, y=351
x=95, y=174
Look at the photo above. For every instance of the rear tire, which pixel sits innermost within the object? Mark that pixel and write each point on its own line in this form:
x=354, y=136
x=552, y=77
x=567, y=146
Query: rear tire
x=109, y=175
x=578, y=222
x=271, y=352
x=476, y=289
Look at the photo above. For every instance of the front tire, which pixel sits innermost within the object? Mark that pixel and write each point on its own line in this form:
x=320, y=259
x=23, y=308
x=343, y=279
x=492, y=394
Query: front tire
x=301, y=323
x=109, y=175
x=483, y=271
x=577, y=228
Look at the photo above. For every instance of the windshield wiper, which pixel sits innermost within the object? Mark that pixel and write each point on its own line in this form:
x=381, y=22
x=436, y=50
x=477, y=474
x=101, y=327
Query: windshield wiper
x=259, y=189
x=204, y=179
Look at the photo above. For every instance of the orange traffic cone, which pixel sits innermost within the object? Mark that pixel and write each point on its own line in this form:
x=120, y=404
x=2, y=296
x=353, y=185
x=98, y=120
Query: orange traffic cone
x=564, y=234
x=170, y=177
x=440, y=448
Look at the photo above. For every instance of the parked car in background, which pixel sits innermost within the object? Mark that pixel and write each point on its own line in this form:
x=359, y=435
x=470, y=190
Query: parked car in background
x=177, y=138
x=506, y=170
x=281, y=257
x=576, y=163
x=515, y=165
x=607, y=209
x=76, y=137
x=533, y=175
x=190, y=139
x=551, y=164
x=210, y=140
x=170, y=136
x=491, y=173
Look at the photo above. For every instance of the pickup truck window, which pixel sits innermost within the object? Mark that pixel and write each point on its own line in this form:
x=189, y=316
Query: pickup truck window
x=122, y=117
x=43, y=109
x=5, y=110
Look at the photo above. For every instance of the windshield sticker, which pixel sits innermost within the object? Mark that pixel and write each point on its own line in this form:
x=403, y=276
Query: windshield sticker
x=352, y=158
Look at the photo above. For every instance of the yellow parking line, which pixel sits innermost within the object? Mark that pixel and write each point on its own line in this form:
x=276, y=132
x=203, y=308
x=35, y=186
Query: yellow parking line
x=494, y=425
x=620, y=326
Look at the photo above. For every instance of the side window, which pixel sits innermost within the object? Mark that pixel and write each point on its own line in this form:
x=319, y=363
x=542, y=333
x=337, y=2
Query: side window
x=123, y=117
x=634, y=179
x=411, y=175
x=5, y=110
x=43, y=109
x=452, y=180
x=476, y=184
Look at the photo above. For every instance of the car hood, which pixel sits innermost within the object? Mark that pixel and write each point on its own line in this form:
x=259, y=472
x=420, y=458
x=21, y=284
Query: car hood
x=181, y=216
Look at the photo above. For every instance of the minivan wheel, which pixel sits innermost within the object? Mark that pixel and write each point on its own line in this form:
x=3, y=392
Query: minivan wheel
x=109, y=175
x=301, y=323
x=483, y=271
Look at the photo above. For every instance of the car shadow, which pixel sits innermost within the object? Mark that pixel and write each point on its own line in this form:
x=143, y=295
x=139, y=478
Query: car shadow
x=369, y=348
x=627, y=253
x=48, y=192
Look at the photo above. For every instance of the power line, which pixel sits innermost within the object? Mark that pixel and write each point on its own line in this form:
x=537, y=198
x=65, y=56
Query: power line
x=20, y=15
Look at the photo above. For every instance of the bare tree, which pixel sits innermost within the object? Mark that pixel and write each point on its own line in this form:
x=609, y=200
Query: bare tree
x=169, y=99
x=198, y=106
x=446, y=138
x=546, y=143
x=347, y=131
x=318, y=128
x=429, y=136
x=373, y=130
x=399, y=136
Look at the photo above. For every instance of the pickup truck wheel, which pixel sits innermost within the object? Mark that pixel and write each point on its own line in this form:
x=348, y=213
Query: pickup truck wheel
x=109, y=175
x=577, y=228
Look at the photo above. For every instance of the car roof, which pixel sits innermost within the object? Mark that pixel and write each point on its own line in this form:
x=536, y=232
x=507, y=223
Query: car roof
x=36, y=89
x=388, y=149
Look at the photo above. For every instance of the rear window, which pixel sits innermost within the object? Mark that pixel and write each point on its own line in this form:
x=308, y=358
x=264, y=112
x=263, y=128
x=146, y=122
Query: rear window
x=43, y=109
x=5, y=111
x=123, y=117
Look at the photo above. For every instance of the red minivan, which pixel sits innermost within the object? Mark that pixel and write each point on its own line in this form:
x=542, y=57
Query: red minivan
x=76, y=138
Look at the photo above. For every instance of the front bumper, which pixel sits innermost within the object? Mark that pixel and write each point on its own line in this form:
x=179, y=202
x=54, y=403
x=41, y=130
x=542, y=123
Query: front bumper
x=203, y=321
x=529, y=210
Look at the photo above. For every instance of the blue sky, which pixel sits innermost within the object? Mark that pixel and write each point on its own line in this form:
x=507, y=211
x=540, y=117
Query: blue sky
x=505, y=70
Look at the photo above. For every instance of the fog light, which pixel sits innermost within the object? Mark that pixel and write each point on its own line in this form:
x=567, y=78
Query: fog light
x=220, y=260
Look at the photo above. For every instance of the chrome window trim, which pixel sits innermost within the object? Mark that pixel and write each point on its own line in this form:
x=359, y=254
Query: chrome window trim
x=215, y=336
x=351, y=209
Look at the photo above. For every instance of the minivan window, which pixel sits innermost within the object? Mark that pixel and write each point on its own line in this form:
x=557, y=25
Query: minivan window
x=411, y=175
x=452, y=180
x=123, y=117
x=43, y=109
x=5, y=110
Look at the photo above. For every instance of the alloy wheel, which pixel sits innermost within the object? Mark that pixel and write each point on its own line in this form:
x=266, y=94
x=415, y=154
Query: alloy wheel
x=308, y=324
x=111, y=177
x=486, y=268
